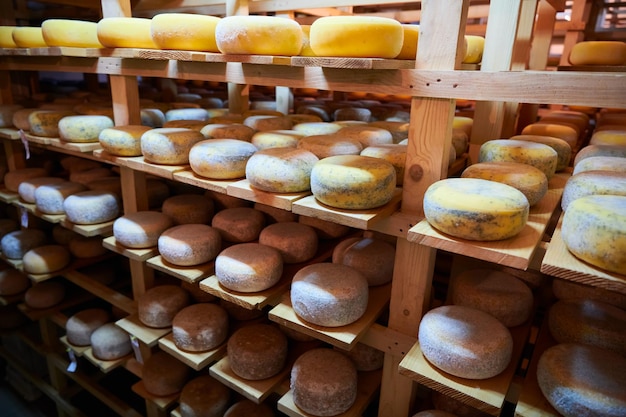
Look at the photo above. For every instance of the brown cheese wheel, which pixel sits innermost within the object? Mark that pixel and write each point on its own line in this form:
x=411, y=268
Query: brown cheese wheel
x=164, y=375
x=257, y=351
x=200, y=327
x=158, y=306
x=296, y=242
x=13, y=282
x=239, y=224
x=44, y=294
x=189, y=244
x=81, y=325
x=189, y=208
x=141, y=229
x=249, y=267
x=46, y=259
x=247, y=408
x=374, y=258
x=204, y=396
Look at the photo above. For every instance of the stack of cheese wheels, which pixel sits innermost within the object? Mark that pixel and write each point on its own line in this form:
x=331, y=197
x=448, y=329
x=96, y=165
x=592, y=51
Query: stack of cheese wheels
x=356, y=36
x=598, y=53
x=72, y=33
x=141, y=229
x=316, y=128
x=540, y=156
x=296, y=242
x=257, y=351
x=228, y=131
x=323, y=382
x=122, y=140
x=324, y=146
x=189, y=244
x=164, y=375
x=28, y=37
x=189, y=208
x=600, y=150
x=13, y=282
x=46, y=122
x=374, y=258
x=583, y=380
x=169, y=146
x=329, y=294
x=110, y=342
x=83, y=128
x=49, y=198
x=13, y=179
x=353, y=182
x=364, y=357
x=568, y=133
x=15, y=244
x=392, y=153
x=601, y=163
x=183, y=31
x=125, y=32
x=247, y=408
x=204, y=396
x=26, y=188
x=249, y=267
x=593, y=183
x=601, y=220
x=258, y=35
x=366, y=135
x=531, y=181
x=465, y=342
x=46, y=259
x=475, y=209
x=281, y=170
x=158, y=306
x=239, y=224
x=91, y=207
x=220, y=158
x=276, y=139
x=6, y=37
x=81, y=325
x=562, y=148
x=200, y=327
x=45, y=294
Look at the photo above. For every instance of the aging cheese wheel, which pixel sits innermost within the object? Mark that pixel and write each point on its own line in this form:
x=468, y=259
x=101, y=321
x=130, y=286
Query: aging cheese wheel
x=220, y=158
x=562, y=148
x=164, y=375
x=83, y=128
x=204, y=396
x=247, y=408
x=352, y=114
x=474, y=46
x=122, y=140
x=281, y=170
x=324, y=146
x=567, y=133
x=609, y=137
x=91, y=207
x=20, y=118
x=593, y=183
x=141, y=229
x=249, y=267
x=465, y=342
x=49, y=198
x=46, y=122
x=594, y=230
x=125, y=32
x=262, y=122
x=28, y=37
x=88, y=175
x=189, y=244
x=356, y=36
x=72, y=33
x=323, y=382
x=109, y=342
x=16, y=244
x=6, y=37
x=46, y=259
x=81, y=325
x=239, y=224
x=276, y=139
x=13, y=179
x=169, y=146
x=409, y=42
x=374, y=258
x=200, y=327
x=475, y=209
x=185, y=31
x=393, y=153
x=565, y=290
x=258, y=35
x=257, y=351
x=187, y=124
x=601, y=163
x=44, y=294
x=580, y=380
x=328, y=294
x=540, y=156
x=189, y=208
x=13, y=282
x=296, y=242
x=158, y=306
x=86, y=247
x=598, y=53
x=8, y=226
x=600, y=150
x=228, y=131
x=26, y=188
x=316, y=128
x=152, y=117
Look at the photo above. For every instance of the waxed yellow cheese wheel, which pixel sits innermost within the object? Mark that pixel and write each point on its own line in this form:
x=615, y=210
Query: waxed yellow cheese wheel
x=6, y=37
x=125, y=32
x=29, y=37
x=474, y=46
x=538, y=155
x=258, y=35
x=598, y=53
x=72, y=33
x=185, y=31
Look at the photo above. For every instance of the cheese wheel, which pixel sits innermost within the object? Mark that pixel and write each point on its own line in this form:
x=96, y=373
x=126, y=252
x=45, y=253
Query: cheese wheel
x=189, y=208
x=13, y=179
x=72, y=33
x=309, y=114
x=600, y=150
x=374, y=258
x=29, y=37
x=239, y=224
x=16, y=244
x=247, y=408
x=276, y=139
x=601, y=163
x=323, y=382
x=532, y=182
x=562, y=148
x=109, y=342
x=187, y=124
x=356, y=36
x=275, y=214
x=324, y=146
x=189, y=244
x=152, y=117
x=46, y=122
x=169, y=146
x=609, y=137
x=20, y=118
x=366, y=135
x=200, y=327
x=157, y=191
x=257, y=351
x=122, y=140
x=81, y=325
x=164, y=375
x=44, y=294
x=567, y=133
x=258, y=35
x=204, y=396
x=475, y=209
x=13, y=282
x=598, y=53
x=593, y=230
x=296, y=242
x=539, y=155
x=474, y=46
x=158, y=306
x=87, y=247
x=352, y=114
x=46, y=259
x=582, y=380
x=328, y=294
x=364, y=357
x=49, y=198
x=398, y=130
x=249, y=267
x=593, y=183
x=566, y=290
x=228, y=131
x=281, y=170
x=392, y=153
x=125, y=32
x=578, y=119
x=353, y=182
x=185, y=31
x=6, y=37
x=26, y=188
x=220, y=158
x=262, y=123
x=187, y=114
x=88, y=175
x=410, y=39
x=76, y=164
x=141, y=229
x=316, y=128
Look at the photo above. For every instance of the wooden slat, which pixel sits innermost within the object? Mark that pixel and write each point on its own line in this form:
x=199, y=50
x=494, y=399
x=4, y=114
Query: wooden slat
x=9, y=133
x=250, y=301
x=134, y=254
x=148, y=335
x=189, y=177
x=243, y=189
x=195, y=360
x=105, y=292
x=78, y=350
x=105, y=366
x=89, y=230
x=186, y=273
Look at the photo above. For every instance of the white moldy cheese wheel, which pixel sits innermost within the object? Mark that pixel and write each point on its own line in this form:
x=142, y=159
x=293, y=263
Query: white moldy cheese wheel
x=353, y=181
x=49, y=198
x=141, y=229
x=109, y=342
x=164, y=375
x=393, y=153
x=257, y=351
x=323, y=382
x=28, y=37
x=122, y=140
x=475, y=209
x=531, y=181
x=465, y=342
x=593, y=183
x=228, y=131
x=158, y=305
x=296, y=242
x=590, y=322
x=26, y=188
x=13, y=179
x=220, y=158
x=189, y=244
x=247, y=408
x=258, y=35
x=82, y=128
x=601, y=163
x=366, y=135
x=204, y=396
x=540, y=156
x=185, y=31
x=580, y=380
x=189, y=208
x=81, y=325
x=91, y=207
x=200, y=327
x=328, y=294
x=324, y=146
x=600, y=150
x=497, y=293
x=356, y=36
x=45, y=294
x=6, y=37
x=594, y=230
x=249, y=267
x=46, y=259
x=562, y=148
x=72, y=33
x=316, y=128
x=276, y=139
x=16, y=244
x=239, y=224
x=598, y=53
x=13, y=282
x=169, y=146
x=125, y=32
x=281, y=170
x=374, y=258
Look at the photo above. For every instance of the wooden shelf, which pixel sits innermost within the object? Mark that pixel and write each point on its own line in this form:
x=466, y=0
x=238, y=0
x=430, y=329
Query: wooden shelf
x=105, y=366
x=78, y=350
x=191, y=274
x=7, y=196
x=243, y=189
x=195, y=360
x=148, y=335
x=89, y=230
x=134, y=254
x=75, y=264
x=32, y=209
x=9, y=133
x=191, y=178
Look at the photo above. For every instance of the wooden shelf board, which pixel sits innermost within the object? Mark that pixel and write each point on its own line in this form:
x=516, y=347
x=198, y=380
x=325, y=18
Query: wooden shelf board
x=105, y=366
x=486, y=395
x=190, y=177
x=148, y=335
x=138, y=163
x=256, y=391
x=176, y=412
x=359, y=219
x=243, y=189
x=83, y=147
x=559, y=262
x=135, y=254
x=8, y=197
x=41, y=140
x=162, y=403
x=344, y=337
x=592, y=68
x=9, y=133
x=15, y=263
x=89, y=230
x=73, y=296
x=186, y=273
x=75, y=264
x=367, y=386
x=104, y=156
x=78, y=350
x=32, y=209
x=195, y=360
x=352, y=63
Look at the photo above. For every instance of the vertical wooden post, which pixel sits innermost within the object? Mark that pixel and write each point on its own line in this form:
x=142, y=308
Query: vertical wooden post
x=238, y=94
x=581, y=10
x=50, y=338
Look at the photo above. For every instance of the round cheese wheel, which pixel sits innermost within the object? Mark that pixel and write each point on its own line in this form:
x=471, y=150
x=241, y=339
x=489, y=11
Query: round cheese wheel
x=122, y=140
x=189, y=208
x=81, y=325
x=263, y=122
x=310, y=114
x=13, y=282
x=281, y=170
x=598, y=53
x=566, y=133
x=600, y=150
x=325, y=229
x=609, y=137
x=361, y=114
x=91, y=207
x=275, y=214
x=582, y=380
x=185, y=31
x=125, y=32
x=540, y=156
x=46, y=259
x=72, y=33
x=189, y=244
x=324, y=146
x=465, y=342
x=601, y=163
x=323, y=382
x=20, y=117
x=164, y=375
x=474, y=47
x=158, y=191
x=83, y=128
x=356, y=36
x=26, y=189
x=49, y=198
x=228, y=131
x=28, y=37
x=258, y=35
x=276, y=139
x=374, y=258
x=565, y=290
x=257, y=351
x=200, y=327
x=45, y=294
x=109, y=342
x=220, y=158
x=593, y=183
x=392, y=153
x=364, y=357
x=46, y=122
x=562, y=148
x=249, y=267
x=158, y=306
x=330, y=295
x=204, y=396
x=141, y=229
x=6, y=37
x=187, y=124
x=169, y=146
x=239, y=224
x=87, y=247
x=247, y=408
x=366, y=135
x=151, y=118
x=296, y=242
x=316, y=128
x=16, y=244
x=13, y=179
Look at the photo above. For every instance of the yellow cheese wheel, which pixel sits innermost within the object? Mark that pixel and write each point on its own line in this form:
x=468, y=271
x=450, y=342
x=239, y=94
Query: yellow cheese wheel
x=464, y=123
x=474, y=46
x=393, y=153
x=72, y=33
x=276, y=139
x=268, y=122
x=258, y=35
x=324, y=146
x=580, y=119
x=6, y=37
x=538, y=155
x=600, y=150
x=356, y=36
x=169, y=146
x=185, y=31
x=122, y=140
x=598, y=53
x=220, y=158
x=593, y=182
x=46, y=122
x=83, y=129
x=353, y=181
x=29, y=37
x=281, y=170
x=567, y=133
x=475, y=209
x=601, y=163
x=409, y=41
x=125, y=32
x=562, y=148
x=609, y=137
x=306, y=41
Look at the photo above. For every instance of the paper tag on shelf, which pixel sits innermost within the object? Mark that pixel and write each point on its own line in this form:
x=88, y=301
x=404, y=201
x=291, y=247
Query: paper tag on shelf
x=25, y=143
x=135, y=344
x=24, y=217
x=73, y=364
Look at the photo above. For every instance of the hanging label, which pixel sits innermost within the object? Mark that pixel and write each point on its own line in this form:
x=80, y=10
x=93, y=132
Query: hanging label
x=24, y=217
x=73, y=363
x=25, y=143
x=135, y=344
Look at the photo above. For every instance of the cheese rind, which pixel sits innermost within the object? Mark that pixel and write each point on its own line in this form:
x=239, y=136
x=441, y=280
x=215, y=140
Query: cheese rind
x=91, y=207
x=593, y=183
x=46, y=122
x=258, y=35
x=296, y=242
x=46, y=259
x=539, y=155
x=141, y=229
x=601, y=163
x=392, y=153
x=220, y=158
x=562, y=148
x=185, y=31
x=609, y=137
x=122, y=140
x=281, y=170
x=83, y=129
x=600, y=150
x=169, y=146
x=49, y=198
x=257, y=351
x=28, y=37
x=6, y=37
x=249, y=267
x=598, y=53
x=72, y=33
x=189, y=244
x=409, y=42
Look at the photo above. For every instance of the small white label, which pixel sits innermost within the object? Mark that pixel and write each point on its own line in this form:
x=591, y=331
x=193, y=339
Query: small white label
x=135, y=344
x=25, y=143
x=73, y=364
x=24, y=217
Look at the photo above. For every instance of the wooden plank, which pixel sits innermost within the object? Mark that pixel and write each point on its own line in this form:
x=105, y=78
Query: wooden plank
x=32, y=208
x=138, y=163
x=186, y=273
x=42, y=140
x=89, y=230
x=243, y=189
x=105, y=366
x=148, y=335
x=78, y=350
x=195, y=360
x=9, y=133
x=105, y=292
x=7, y=196
x=76, y=263
x=191, y=178
x=352, y=63
x=134, y=254
x=84, y=147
